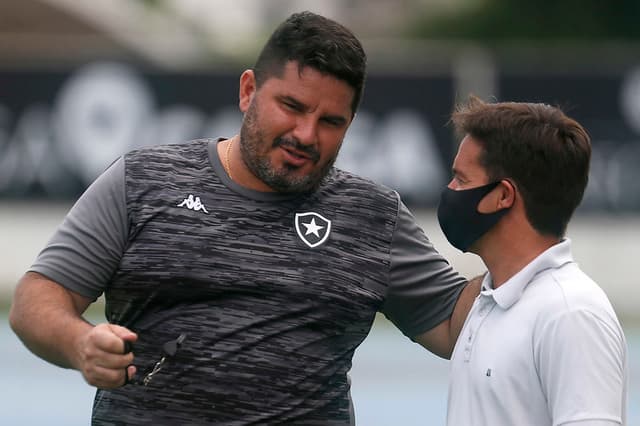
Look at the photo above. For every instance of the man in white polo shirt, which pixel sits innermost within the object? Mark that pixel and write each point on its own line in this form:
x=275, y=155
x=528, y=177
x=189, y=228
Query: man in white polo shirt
x=542, y=344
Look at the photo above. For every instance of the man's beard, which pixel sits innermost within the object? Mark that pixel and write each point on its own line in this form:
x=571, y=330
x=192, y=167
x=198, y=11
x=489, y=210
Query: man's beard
x=281, y=180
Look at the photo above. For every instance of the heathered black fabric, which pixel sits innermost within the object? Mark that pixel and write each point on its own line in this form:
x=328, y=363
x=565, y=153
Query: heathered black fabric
x=271, y=323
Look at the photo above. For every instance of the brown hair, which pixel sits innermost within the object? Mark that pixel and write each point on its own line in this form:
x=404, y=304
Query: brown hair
x=543, y=151
x=314, y=41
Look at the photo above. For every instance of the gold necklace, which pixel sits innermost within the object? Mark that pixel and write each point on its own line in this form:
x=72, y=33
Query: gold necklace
x=227, y=163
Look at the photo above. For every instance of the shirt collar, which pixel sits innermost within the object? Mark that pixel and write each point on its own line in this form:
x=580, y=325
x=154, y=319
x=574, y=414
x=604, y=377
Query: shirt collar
x=511, y=291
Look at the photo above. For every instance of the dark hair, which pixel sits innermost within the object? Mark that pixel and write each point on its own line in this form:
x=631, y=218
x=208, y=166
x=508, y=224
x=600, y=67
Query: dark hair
x=314, y=41
x=543, y=151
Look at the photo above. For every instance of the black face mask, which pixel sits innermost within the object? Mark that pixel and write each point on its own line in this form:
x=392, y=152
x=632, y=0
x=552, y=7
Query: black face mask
x=459, y=218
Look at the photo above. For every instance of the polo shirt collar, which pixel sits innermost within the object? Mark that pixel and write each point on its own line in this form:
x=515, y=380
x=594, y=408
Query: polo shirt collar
x=511, y=291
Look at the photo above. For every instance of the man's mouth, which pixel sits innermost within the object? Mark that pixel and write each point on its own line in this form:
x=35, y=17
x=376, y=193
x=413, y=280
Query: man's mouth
x=295, y=157
x=297, y=154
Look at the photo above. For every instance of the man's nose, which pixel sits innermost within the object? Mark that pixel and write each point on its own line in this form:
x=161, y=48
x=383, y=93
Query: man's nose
x=306, y=130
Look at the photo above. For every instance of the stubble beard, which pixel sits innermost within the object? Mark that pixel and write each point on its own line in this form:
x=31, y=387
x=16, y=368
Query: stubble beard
x=282, y=180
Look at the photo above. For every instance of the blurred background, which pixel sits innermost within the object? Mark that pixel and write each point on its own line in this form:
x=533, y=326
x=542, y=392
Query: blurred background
x=83, y=82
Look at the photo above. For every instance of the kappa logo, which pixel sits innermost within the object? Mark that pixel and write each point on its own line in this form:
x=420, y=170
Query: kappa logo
x=312, y=228
x=193, y=203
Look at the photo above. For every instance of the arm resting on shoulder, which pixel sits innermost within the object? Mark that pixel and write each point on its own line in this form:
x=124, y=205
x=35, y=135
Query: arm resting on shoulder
x=442, y=338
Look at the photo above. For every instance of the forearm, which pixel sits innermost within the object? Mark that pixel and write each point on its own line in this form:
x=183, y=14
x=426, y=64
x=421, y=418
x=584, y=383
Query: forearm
x=48, y=320
x=442, y=338
x=462, y=308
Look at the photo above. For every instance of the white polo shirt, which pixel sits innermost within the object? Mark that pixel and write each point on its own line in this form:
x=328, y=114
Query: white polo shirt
x=544, y=348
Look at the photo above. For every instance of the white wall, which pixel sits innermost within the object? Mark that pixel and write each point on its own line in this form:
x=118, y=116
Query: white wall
x=606, y=247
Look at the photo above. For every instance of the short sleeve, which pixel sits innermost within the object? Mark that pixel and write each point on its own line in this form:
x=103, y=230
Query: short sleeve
x=86, y=249
x=582, y=362
x=423, y=287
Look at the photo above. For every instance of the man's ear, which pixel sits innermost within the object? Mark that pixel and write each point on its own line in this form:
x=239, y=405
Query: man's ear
x=507, y=194
x=501, y=197
x=247, y=89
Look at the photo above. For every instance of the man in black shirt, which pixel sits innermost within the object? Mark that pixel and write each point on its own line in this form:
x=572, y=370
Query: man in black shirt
x=243, y=272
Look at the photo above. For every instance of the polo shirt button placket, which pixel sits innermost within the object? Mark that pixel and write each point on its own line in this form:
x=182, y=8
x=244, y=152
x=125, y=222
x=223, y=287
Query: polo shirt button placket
x=467, y=346
x=475, y=321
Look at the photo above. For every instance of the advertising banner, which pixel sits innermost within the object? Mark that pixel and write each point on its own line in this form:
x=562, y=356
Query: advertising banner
x=60, y=129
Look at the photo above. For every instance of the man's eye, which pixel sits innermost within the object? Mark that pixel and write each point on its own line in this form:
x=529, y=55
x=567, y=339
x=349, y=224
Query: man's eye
x=292, y=106
x=333, y=123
